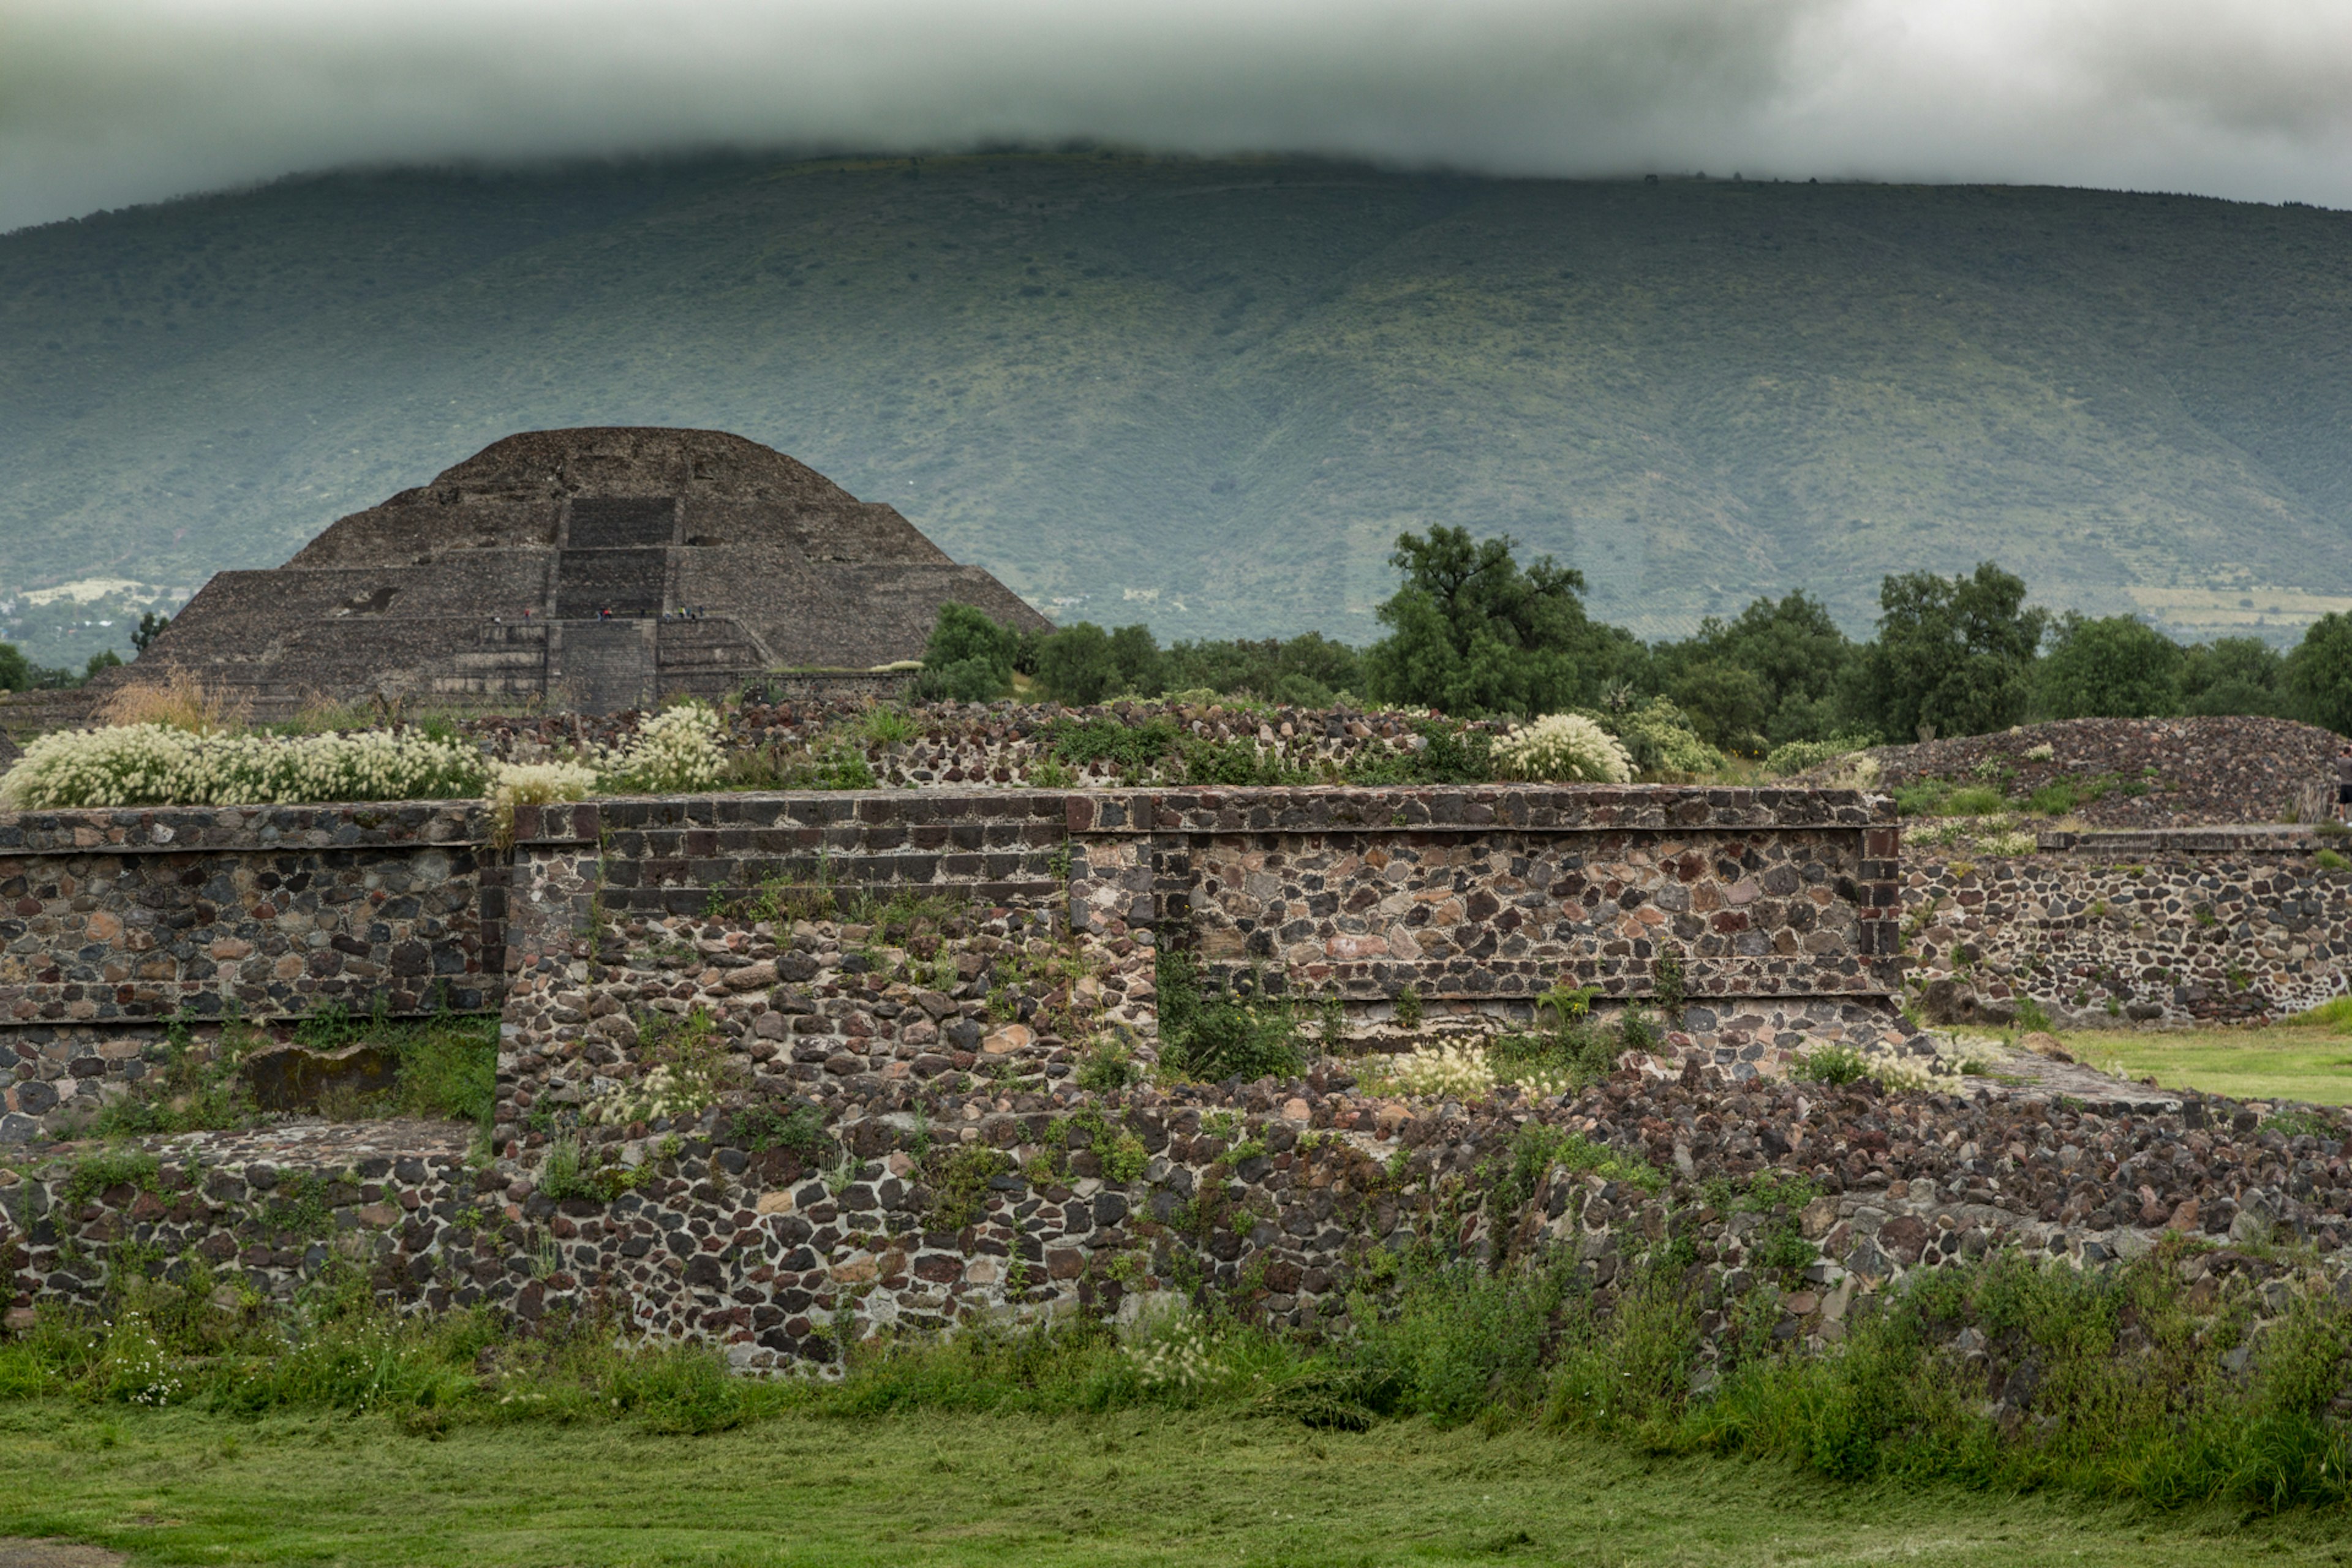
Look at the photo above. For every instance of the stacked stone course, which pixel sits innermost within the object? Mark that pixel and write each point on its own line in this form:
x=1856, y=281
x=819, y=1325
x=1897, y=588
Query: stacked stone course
x=1274, y=1195
x=2105, y=929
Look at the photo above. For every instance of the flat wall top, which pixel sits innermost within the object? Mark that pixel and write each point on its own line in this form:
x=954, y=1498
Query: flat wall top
x=1178, y=810
x=182, y=829
x=1464, y=808
x=2274, y=838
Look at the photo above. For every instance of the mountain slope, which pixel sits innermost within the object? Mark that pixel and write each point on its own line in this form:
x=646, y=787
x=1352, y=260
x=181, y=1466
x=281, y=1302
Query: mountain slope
x=1208, y=395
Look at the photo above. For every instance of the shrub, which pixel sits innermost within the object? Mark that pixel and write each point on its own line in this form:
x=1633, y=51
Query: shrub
x=1798, y=756
x=1563, y=748
x=157, y=764
x=676, y=750
x=1662, y=743
x=1129, y=747
x=1834, y=1065
x=534, y=784
x=1237, y=762
x=966, y=681
x=1220, y=1037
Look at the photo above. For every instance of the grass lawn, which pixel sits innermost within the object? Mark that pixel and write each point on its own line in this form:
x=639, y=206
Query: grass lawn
x=2280, y=1061
x=177, y=1487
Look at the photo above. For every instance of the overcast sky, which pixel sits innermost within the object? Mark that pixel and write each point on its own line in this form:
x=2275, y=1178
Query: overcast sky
x=106, y=102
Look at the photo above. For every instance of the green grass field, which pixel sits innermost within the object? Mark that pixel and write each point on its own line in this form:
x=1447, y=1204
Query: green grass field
x=2283, y=1061
x=174, y=1487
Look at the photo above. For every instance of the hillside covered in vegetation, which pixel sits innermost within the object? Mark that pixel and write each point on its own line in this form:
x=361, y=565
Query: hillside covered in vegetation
x=1208, y=396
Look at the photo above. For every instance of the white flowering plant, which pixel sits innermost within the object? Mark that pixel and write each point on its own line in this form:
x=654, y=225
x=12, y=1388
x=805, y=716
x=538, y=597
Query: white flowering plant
x=675, y=751
x=535, y=783
x=1563, y=748
x=661, y=1092
x=1466, y=1069
x=160, y=764
x=134, y=1367
x=1443, y=1070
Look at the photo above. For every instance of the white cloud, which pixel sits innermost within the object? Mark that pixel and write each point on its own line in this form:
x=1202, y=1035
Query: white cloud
x=109, y=101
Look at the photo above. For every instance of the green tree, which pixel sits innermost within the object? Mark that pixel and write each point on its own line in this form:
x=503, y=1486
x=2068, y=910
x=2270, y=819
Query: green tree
x=2233, y=675
x=1795, y=655
x=1077, y=664
x=1307, y=671
x=2115, y=667
x=151, y=626
x=1726, y=704
x=1137, y=654
x=969, y=658
x=2319, y=673
x=1471, y=632
x=1953, y=652
x=16, y=670
x=107, y=659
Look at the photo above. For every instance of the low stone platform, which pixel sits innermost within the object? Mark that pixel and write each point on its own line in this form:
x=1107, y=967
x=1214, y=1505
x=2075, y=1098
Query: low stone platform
x=903, y=1207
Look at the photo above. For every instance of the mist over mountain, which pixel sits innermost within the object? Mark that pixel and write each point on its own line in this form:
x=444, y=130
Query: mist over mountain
x=1207, y=395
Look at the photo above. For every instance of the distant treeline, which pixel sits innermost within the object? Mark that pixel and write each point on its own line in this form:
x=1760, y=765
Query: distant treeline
x=1472, y=633
x=18, y=673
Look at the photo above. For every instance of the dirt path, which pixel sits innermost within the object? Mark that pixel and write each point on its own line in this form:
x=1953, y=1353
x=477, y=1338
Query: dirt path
x=15, y=1552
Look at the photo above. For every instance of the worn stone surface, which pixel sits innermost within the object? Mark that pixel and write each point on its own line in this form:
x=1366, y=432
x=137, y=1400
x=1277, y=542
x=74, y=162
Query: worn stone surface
x=1273, y=1195
x=592, y=570
x=2129, y=928
x=2157, y=773
x=123, y=918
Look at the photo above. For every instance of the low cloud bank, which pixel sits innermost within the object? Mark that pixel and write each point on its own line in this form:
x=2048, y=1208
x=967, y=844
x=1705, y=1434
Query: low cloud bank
x=104, y=103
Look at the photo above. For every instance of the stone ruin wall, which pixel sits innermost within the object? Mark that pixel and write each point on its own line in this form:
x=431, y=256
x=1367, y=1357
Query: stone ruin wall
x=1277, y=1195
x=2163, y=927
x=1774, y=903
x=113, y=921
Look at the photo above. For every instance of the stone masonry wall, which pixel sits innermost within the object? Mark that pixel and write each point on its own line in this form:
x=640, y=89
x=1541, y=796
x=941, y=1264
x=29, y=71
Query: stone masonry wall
x=926, y=1204
x=112, y=921
x=1476, y=899
x=2131, y=928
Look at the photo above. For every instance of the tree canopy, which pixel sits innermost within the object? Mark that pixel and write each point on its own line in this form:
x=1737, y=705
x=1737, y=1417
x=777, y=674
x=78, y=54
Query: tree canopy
x=2113, y=667
x=1471, y=632
x=1953, y=652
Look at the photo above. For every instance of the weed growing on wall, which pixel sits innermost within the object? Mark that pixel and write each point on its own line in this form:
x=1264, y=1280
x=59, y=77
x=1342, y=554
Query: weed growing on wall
x=193, y=1089
x=687, y=1071
x=516, y=785
x=762, y=1128
x=1214, y=1037
x=959, y=1178
x=158, y=764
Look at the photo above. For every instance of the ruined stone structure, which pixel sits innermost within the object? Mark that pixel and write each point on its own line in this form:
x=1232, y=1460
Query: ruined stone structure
x=1772, y=911
x=2162, y=926
x=948, y=1165
x=949, y=1168
x=596, y=570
